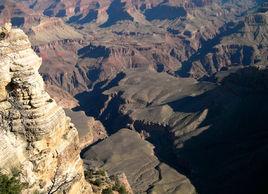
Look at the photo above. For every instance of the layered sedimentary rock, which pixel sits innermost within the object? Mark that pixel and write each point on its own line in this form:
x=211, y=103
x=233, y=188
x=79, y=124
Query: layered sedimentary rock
x=208, y=131
x=118, y=34
x=36, y=136
x=241, y=44
x=89, y=129
x=82, y=11
x=127, y=152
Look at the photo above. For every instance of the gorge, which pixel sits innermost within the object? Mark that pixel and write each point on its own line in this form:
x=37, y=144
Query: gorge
x=163, y=96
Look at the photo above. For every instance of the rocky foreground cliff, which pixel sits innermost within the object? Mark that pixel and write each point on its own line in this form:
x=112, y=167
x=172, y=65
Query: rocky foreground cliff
x=36, y=137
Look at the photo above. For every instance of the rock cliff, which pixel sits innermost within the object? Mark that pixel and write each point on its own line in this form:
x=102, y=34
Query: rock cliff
x=35, y=134
x=84, y=42
x=127, y=152
x=240, y=44
x=207, y=131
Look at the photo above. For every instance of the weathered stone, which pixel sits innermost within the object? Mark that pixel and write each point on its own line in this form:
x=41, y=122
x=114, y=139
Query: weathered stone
x=126, y=152
x=35, y=134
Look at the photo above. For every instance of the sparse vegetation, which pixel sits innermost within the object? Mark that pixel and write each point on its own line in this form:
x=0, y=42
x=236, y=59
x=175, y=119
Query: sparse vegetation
x=102, y=182
x=88, y=174
x=120, y=188
x=10, y=184
x=102, y=172
x=97, y=182
x=107, y=191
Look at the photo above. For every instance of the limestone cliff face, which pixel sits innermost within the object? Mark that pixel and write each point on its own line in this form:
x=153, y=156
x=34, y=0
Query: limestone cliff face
x=35, y=134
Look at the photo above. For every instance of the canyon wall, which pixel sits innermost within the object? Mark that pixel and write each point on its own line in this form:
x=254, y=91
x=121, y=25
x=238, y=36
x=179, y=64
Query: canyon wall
x=36, y=136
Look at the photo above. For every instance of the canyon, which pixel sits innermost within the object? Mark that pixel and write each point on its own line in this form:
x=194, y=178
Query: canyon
x=93, y=49
x=170, y=93
x=206, y=131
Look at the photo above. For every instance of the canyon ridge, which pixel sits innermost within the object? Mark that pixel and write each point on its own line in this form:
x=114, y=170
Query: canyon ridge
x=134, y=96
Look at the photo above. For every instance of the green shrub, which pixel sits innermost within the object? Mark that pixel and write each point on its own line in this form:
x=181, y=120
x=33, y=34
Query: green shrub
x=102, y=172
x=36, y=192
x=120, y=188
x=88, y=174
x=97, y=182
x=107, y=191
x=10, y=184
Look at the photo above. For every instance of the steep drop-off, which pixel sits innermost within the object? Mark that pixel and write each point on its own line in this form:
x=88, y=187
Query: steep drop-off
x=36, y=137
x=211, y=132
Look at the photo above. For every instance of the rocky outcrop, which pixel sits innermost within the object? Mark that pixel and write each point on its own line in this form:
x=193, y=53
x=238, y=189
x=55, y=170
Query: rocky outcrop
x=204, y=130
x=63, y=98
x=126, y=152
x=163, y=45
x=52, y=30
x=242, y=44
x=132, y=33
x=81, y=11
x=36, y=136
x=89, y=129
x=184, y=119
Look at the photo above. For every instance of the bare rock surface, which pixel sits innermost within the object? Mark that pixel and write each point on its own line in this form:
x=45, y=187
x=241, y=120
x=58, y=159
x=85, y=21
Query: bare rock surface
x=89, y=129
x=36, y=135
x=242, y=44
x=202, y=129
x=172, y=70
x=83, y=43
x=126, y=152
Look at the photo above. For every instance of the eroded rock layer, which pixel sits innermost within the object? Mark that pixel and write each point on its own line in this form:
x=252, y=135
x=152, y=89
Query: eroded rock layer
x=86, y=42
x=127, y=152
x=207, y=131
x=35, y=134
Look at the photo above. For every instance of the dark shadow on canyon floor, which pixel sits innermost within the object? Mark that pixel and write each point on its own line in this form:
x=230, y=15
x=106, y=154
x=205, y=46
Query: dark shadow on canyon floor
x=92, y=103
x=231, y=155
x=163, y=12
x=117, y=12
x=208, y=46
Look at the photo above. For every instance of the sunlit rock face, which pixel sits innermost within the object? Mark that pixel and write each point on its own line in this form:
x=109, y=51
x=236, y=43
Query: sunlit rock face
x=35, y=134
